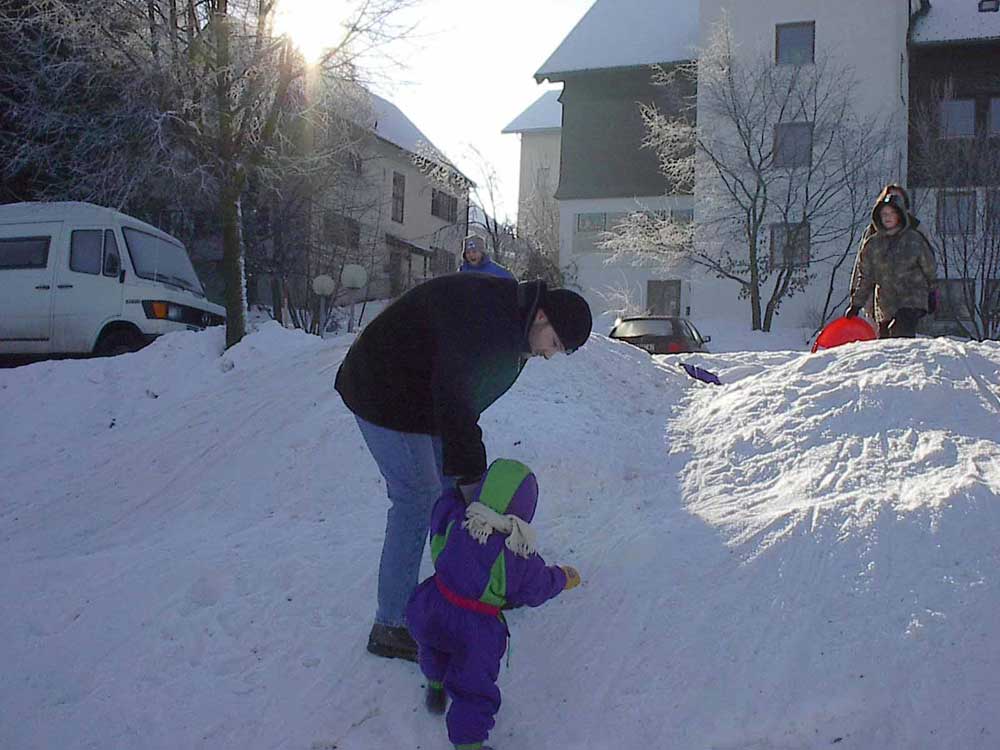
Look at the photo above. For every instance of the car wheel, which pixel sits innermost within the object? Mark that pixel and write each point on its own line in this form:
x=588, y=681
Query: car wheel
x=118, y=342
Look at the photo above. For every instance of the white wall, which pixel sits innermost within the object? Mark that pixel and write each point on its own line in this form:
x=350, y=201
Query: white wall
x=595, y=276
x=540, y=150
x=870, y=38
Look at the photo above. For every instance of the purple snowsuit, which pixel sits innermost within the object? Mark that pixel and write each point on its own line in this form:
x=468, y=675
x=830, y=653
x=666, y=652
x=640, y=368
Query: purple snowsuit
x=461, y=648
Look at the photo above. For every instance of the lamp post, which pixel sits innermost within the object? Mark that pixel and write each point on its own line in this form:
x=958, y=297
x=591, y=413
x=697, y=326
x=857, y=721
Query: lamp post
x=353, y=277
x=324, y=286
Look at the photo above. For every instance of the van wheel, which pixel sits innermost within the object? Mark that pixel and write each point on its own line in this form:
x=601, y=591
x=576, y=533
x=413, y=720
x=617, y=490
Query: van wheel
x=118, y=342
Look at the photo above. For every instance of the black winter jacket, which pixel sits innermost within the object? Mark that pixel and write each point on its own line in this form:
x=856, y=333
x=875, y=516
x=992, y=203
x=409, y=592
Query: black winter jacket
x=434, y=359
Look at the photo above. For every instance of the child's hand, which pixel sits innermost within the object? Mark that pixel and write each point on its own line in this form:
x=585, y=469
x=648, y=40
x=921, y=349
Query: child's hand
x=572, y=577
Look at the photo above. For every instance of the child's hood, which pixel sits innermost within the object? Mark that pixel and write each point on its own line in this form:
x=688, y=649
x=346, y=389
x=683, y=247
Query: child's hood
x=509, y=488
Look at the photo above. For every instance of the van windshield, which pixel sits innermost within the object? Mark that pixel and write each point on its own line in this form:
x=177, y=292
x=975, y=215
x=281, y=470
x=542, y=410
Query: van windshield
x=158, y=259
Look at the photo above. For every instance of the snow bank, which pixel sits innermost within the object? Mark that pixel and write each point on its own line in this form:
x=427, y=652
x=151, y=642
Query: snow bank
x=804, y=557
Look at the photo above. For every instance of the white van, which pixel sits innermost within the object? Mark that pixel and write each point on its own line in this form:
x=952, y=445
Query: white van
x=76, y=278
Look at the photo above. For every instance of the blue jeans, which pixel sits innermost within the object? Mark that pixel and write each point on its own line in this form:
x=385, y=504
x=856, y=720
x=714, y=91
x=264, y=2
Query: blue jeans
x=411, y=465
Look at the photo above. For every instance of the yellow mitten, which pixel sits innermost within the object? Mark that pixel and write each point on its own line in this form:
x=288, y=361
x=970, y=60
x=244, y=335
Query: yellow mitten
x=572, y=577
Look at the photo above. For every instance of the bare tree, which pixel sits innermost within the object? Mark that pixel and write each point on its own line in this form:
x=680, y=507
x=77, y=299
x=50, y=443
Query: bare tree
x=962, y=177
x=529, y=255
x=213, y=94
x=771, y=149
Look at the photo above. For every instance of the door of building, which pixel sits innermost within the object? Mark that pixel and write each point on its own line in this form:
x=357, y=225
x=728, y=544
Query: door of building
x=663, y=297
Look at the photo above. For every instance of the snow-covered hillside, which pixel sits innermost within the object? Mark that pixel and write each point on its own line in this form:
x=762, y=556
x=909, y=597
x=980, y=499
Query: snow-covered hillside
x=805, y=557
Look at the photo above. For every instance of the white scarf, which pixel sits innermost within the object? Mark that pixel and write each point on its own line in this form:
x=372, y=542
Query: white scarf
x=481, y=521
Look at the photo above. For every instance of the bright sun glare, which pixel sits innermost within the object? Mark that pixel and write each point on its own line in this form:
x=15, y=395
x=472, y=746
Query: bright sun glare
x=313, y=25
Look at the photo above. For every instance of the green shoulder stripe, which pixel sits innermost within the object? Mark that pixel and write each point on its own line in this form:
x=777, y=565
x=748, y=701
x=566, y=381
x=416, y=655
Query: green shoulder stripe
x=496, y=587
x=439, y=540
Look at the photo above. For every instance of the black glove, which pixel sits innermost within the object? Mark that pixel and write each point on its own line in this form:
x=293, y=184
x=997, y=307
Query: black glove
x=851, y=311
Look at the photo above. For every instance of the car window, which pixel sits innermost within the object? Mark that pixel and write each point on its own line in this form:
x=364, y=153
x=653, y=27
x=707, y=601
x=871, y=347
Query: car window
x=85, y=251
x=112, y=261
x=24, y=252
x=632, y=328
x=161, y=260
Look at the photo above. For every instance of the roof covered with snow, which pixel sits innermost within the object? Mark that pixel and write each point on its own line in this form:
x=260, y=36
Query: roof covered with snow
x=626, y=33
x=955, y=21
x=390, y=124
x=544, y=114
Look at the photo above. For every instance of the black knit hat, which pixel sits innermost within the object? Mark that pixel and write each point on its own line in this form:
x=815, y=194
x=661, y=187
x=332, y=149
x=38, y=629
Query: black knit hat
x=570, y=316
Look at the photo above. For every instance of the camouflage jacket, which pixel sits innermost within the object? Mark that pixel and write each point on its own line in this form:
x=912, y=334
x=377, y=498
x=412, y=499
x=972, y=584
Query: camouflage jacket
x=899, y=268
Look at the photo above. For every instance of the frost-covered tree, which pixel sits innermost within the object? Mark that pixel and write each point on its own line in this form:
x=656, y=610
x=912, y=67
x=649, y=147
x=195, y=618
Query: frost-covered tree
x=190, y=95
x=962, y=181
x=783, y=169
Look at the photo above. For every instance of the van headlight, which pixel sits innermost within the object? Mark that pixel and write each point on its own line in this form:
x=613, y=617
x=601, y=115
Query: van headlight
x=163, y=310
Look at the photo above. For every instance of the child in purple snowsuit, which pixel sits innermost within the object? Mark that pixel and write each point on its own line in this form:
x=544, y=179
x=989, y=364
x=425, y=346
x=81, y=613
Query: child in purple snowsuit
x=484, y=561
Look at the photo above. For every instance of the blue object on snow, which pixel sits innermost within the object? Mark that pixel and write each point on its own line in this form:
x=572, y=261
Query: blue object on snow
x=699, y=374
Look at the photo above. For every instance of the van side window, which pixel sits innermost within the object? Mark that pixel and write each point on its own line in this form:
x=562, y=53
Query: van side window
x=112, y=262
x=85, y=251
x=24, y=252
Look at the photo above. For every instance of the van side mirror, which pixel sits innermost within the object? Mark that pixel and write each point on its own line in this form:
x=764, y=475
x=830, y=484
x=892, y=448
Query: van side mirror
x=706, y=339
x=121, y=276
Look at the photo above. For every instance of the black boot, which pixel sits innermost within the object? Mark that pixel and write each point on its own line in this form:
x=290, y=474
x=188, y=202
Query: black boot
x=392, y=643
x=435, y=699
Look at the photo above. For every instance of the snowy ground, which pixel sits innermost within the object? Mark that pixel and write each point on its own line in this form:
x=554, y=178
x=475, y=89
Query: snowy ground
x=806, y=557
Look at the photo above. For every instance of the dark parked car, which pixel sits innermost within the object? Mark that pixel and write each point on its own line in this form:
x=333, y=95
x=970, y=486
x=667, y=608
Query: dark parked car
x=660, y=334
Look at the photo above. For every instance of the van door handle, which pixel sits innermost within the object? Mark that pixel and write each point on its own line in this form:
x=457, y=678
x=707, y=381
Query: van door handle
x=43, y=286
x=64, y=286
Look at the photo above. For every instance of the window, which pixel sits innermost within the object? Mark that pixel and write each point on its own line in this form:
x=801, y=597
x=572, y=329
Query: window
x=112, y=261
x=989, y=6
x=995, y=117
x=158, y=259
x=629, y=329
x=398, y=195
x=86, y=251
x=991, y=218
x=956, y=294
x=341, y=230
x=587, y=238
x=793, y=144
x=444, y=206
x=612, y=220
x=956, y=213
x=958, y=118
x=663, y=296
x=590, y=223
x=790, y=245
x=795, y=43
x=24, y=252
x=993, y=297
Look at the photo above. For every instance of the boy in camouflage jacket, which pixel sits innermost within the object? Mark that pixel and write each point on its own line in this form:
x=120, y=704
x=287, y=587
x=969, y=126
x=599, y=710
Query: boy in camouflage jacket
x=897, y=264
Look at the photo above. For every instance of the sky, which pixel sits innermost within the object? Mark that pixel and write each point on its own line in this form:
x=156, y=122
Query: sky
x=803, y=557
x=468, y=72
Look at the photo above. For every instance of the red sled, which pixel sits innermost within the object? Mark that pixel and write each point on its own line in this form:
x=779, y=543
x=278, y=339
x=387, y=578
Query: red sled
x=844, y=331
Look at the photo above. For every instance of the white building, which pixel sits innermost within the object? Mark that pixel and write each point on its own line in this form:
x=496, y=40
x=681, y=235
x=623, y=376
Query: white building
x=883, y=49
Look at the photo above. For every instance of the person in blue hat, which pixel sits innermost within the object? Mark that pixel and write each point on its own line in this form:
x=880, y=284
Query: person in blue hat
x=475, y=258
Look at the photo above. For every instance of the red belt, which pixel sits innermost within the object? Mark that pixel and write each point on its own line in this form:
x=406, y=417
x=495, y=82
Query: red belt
x=473, y=605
